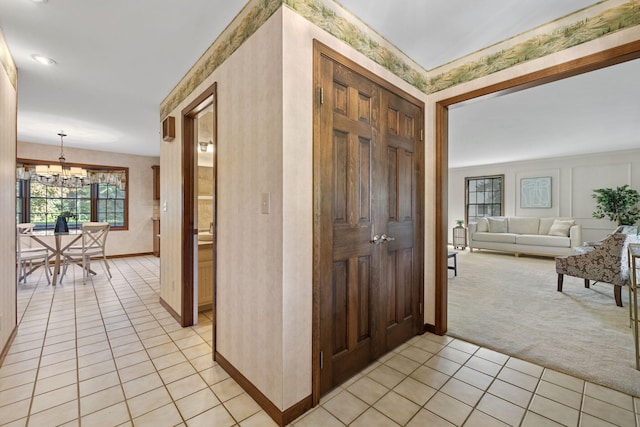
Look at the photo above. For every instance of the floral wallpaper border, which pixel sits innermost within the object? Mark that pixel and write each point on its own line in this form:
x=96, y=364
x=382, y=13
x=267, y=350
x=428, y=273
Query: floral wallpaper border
x=319, y=12
x=251, y=17
x=7, y=62
x=617, y=18
x=338, y=22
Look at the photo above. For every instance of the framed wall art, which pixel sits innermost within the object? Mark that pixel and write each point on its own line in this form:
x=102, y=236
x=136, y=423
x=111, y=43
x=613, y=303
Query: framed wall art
x=535, y=192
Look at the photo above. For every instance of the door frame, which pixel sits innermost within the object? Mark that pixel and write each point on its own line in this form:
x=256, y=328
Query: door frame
x=612, y=56
x=206, y=98
x=319, y=50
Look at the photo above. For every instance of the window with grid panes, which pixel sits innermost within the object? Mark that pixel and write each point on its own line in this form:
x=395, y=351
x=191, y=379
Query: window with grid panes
x=484, y=197
x=41, y=204
x=111, y=202
x=19, y=201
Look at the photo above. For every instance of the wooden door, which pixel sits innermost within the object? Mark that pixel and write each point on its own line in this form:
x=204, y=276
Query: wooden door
x=368, y=271
x=349, y=116
x=402, y=263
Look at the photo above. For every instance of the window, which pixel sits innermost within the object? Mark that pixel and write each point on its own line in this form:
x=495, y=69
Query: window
x=110, y=204
x=484, y=197
x=41, y=204
x=19, y=201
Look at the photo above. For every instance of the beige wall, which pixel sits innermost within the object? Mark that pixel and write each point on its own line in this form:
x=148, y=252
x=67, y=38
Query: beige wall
x=249, y=245
x=138, y=238
x=8, y=120
x=264, y=275
x=581, y=51
x=573, y=181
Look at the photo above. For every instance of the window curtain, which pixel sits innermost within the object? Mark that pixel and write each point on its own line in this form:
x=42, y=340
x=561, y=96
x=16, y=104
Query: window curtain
x=117, y=178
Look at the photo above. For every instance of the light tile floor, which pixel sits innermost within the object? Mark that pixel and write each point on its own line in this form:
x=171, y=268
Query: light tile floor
x=107, y=354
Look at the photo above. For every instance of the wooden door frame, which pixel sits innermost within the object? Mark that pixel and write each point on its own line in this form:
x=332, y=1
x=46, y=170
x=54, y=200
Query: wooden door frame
x=595, y=61
x=319, y=50
x=189, y=198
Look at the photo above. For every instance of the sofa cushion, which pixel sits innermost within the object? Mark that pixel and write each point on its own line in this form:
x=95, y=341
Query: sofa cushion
x=497, y=225
x=495, y=237
x=537, y=240
x=561, y=228
x=523, y=225
x=482, y=225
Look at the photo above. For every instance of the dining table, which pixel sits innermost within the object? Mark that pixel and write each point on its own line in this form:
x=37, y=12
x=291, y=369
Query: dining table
x=57, y=249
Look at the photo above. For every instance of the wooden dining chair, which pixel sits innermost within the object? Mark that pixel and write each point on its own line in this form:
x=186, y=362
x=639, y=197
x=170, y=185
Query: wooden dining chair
x=94, y=239
x=30, y=257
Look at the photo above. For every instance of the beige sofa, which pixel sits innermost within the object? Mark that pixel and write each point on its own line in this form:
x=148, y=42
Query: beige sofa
x=537, y=236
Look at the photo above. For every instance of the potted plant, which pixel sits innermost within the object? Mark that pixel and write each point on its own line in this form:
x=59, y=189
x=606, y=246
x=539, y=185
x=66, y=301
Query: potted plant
x=459, y=222
x=619, y=204
x=61, y=222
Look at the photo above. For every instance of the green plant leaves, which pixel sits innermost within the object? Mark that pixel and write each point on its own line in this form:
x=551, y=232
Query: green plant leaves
x=619, y=204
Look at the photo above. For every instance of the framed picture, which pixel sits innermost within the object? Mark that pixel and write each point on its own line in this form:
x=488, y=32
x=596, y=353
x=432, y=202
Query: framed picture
x=535, y=192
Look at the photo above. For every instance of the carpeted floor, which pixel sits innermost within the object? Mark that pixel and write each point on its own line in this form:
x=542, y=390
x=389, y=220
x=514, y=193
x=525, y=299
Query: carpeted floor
x=510, y=304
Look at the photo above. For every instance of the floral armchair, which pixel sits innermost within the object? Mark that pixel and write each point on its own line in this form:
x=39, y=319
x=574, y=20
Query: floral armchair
x=605, y=263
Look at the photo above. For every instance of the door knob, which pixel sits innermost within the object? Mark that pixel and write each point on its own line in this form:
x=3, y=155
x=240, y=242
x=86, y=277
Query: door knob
x=385, y=238
x=377, y=240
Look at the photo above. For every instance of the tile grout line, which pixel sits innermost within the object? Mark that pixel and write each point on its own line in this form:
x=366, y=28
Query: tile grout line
x=75, y=324
x=106, y=333
x=117, y=296
x=44, y=338
x=145, y=348
x=182, y=352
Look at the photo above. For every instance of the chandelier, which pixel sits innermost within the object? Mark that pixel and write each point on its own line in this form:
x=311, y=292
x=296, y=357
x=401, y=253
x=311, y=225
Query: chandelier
x=61, y=175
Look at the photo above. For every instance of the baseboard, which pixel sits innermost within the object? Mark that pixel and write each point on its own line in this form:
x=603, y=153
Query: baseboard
x=129, y=255
x=282, y=418
x=171, y=311
x=429, y=328
x=5, y=350
x=52, y=262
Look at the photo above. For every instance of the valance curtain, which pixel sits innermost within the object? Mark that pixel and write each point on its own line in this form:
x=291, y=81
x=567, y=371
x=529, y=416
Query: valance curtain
x=117, y=178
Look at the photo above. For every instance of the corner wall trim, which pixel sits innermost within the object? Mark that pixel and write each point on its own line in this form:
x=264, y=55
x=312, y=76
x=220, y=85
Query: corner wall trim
x=282, y=418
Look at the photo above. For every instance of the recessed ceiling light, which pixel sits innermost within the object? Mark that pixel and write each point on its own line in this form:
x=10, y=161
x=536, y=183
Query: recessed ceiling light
x=43, y=59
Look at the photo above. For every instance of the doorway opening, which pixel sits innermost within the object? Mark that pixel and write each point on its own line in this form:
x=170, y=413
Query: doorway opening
x=440, y=119
x=199, y=208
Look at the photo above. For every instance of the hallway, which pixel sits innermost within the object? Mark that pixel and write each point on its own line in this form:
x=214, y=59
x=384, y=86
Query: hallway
x=108, y=354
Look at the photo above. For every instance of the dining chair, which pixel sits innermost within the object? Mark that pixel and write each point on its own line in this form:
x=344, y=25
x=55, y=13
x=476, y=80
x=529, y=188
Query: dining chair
x=94, y=239
x=29, y=257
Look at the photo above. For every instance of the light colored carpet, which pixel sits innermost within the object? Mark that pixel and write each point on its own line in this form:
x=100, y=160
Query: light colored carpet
x=510, y=304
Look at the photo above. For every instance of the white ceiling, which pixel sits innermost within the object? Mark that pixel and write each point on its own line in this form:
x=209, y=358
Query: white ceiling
x=117, y=60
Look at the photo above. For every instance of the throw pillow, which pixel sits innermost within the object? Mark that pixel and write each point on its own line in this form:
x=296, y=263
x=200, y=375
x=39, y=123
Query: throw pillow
x=497, y=225
x=545, y=226
x=560, y=228
x=483, y=225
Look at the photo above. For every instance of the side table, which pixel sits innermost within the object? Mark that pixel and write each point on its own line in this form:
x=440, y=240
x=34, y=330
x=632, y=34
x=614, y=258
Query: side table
x=453, y=267
x=634, y=263
x=459, y=237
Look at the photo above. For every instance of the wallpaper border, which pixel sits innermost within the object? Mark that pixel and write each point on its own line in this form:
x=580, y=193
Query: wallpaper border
x=7, y=62
x=340, y=23
x=560, y=38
